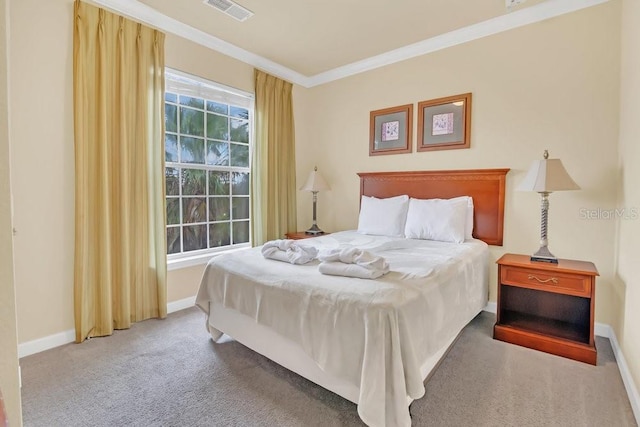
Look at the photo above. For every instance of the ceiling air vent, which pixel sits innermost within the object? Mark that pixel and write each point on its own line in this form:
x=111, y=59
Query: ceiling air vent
x=232, y=9
x=510, y=3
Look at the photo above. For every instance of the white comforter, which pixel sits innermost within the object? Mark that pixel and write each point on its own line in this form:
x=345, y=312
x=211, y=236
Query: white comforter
x=372, y=333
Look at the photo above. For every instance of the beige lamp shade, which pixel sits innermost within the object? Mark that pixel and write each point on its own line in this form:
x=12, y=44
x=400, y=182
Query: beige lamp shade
x=547, y=175
x=315, y=182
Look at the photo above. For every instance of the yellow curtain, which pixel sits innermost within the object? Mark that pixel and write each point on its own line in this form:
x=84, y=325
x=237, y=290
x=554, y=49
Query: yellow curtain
x=120, y=240
x=274, y=161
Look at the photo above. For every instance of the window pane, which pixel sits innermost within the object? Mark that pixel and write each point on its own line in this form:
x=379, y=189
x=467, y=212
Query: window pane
x=239, y=130
x=217, y=127
x=194, y=237
x=192, y=102
x=240, y=183
x=218, y=208
x=173, y=210
x=218, y=183
x=191, y=122
x=170, y=118
x=216, y=107
x=173, y=240
x=240, y=232
x=219, y=235
x=172, y=183
x=194, y=209
x=170, y=147
x=243, y=113
x=192, y=150
x=217, y=153
x=194, y=182
x=171, y=97
x=240, y=208
x=240, y=155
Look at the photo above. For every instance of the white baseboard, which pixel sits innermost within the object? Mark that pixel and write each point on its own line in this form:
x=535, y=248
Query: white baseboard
x=41, y=344
x=174, y=306
x=491, y=307
x=606, y=331
x=627, y=379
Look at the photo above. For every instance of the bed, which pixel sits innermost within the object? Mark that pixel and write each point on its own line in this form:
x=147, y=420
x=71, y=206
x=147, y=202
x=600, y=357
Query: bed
x=373, y=342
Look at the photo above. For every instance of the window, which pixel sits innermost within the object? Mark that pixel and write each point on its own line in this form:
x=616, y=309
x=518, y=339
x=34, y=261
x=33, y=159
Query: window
x=208, y=132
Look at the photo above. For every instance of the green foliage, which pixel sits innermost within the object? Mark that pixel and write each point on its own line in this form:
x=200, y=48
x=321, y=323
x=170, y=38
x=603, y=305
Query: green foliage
x=240, y=131
x=170, y=118
x=219, y=234
x=240, y=232
x=219, y=183
x=191, y=122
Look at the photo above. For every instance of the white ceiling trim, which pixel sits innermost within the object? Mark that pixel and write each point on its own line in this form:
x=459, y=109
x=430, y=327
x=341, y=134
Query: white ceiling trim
x=530, y=15
x=549, y=9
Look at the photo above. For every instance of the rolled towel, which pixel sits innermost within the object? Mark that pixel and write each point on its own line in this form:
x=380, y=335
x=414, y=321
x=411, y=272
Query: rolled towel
x=354, y=256
x=352, y=262
x=336, y=268
x=287, y=250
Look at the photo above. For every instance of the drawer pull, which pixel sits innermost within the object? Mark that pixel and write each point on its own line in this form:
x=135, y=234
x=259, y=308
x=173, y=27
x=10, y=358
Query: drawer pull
x=552, y=280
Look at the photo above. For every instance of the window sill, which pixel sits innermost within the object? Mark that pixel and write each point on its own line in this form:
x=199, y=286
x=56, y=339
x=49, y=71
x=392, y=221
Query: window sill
x=177, y=264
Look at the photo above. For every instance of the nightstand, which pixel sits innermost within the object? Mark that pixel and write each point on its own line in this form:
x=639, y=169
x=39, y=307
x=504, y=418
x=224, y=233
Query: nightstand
x=297, y=235
x=547, y=307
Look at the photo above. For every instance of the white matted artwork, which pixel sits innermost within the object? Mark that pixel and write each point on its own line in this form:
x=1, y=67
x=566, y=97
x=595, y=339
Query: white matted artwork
x=391, y=131
x=442, y=124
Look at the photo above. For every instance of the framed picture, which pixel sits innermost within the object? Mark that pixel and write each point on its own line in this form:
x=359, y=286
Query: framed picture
x=390, y=130
x=445, y=123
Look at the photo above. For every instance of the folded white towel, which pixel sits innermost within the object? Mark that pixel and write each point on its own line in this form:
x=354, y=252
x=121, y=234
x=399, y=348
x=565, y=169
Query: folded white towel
x=289, y=251
x=352, y=262
x=353, y=256
x=335, y=268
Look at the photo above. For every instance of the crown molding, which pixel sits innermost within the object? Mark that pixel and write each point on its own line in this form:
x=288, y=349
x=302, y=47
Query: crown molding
x=540, y=12
x=509, y=21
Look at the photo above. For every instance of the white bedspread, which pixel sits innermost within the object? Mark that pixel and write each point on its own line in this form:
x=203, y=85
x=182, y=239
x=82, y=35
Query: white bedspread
x=372, y=333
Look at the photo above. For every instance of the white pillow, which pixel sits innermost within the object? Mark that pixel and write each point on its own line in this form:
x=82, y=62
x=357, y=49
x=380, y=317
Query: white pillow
x=384, y=217
x=437, y=219
x=468, y=228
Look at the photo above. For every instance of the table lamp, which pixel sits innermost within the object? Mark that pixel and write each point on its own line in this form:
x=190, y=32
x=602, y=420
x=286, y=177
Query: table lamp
x=315, y=183
x=546, y=176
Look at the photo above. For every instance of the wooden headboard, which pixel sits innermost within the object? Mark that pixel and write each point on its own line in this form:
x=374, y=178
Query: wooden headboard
x=486, y=186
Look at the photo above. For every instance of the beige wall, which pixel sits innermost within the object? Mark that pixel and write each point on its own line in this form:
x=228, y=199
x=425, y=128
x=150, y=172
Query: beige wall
x=9, y=381
x=43, y=161
x=42, y=165
x=629, y=232
x=551, y=85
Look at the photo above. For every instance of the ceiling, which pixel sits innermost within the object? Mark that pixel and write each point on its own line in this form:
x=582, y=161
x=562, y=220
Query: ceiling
x=310, y=42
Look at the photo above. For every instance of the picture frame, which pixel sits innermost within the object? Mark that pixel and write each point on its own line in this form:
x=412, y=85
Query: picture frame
x=391, y=130
x=444, y=123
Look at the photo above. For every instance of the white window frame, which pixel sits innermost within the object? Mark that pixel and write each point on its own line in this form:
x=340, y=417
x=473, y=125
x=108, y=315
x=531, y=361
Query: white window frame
x=189, y=85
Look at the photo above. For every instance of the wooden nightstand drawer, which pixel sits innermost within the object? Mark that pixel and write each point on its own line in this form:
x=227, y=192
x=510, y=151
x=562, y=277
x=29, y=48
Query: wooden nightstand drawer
x=571, y=284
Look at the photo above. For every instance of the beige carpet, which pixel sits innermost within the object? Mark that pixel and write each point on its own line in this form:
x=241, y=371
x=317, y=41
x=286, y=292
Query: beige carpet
x=169, y=373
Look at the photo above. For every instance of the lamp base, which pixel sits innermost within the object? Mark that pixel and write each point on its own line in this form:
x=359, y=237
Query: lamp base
x=314, y=230
x=543, y=259
x=543, y=255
